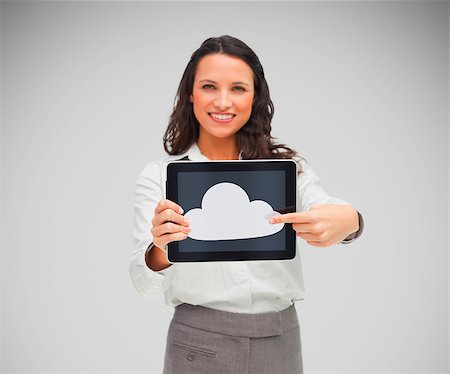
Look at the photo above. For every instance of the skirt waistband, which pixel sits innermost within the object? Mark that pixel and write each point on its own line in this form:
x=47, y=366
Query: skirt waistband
x=236, y=324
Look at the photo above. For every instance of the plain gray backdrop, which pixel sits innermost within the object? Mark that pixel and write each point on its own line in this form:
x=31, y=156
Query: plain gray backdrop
x=360, y=89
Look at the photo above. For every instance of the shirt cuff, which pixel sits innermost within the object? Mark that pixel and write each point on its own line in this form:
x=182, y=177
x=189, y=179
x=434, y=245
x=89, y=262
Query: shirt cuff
x=352, y=237
x=146, y=281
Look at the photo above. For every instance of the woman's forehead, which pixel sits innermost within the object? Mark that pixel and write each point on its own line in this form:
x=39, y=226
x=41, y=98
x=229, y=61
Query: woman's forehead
x=221, y=66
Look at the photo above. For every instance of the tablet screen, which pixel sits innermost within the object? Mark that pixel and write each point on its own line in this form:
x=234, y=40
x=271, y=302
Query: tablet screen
x=229, y=204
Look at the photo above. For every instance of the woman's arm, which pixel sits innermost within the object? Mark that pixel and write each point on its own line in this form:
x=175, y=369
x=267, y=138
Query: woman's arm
x=324, y=224
x=156, y=258
x=145, y=266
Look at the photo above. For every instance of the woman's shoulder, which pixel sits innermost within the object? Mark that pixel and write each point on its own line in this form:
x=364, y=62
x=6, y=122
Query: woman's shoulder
x=157, y=167
x=302, y=164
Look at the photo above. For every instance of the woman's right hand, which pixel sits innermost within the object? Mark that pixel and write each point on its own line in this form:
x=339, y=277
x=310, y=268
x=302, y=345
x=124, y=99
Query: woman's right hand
x=168, y=224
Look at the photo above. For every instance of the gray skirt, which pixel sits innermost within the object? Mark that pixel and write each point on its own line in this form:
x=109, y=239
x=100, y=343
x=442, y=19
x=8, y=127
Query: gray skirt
x=205, y=340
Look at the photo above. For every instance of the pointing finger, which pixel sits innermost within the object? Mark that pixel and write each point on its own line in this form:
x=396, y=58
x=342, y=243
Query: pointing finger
x=297, y=217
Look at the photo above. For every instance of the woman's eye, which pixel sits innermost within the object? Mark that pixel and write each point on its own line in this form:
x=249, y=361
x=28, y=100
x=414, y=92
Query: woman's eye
x=210, y=86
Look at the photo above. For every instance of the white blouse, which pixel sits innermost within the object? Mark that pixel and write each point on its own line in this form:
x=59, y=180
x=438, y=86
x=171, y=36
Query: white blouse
x=234, y=286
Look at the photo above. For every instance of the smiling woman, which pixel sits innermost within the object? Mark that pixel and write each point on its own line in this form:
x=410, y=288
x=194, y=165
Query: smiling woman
x=230, y=317
x=222, y=107
x=224, y=84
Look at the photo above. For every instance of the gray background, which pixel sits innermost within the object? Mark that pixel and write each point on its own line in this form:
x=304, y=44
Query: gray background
x=360, y=89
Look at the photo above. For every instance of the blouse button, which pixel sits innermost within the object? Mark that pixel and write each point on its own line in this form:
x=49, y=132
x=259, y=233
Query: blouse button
x=190, y=356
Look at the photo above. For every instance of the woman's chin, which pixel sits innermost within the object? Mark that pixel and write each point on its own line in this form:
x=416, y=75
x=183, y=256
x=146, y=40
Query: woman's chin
x=224, y=134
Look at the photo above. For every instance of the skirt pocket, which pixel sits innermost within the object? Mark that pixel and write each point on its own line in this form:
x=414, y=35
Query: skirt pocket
x=190, y=350
x=194, y=349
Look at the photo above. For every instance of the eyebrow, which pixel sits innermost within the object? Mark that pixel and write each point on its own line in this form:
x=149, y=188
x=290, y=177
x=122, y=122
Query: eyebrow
x=209, y=80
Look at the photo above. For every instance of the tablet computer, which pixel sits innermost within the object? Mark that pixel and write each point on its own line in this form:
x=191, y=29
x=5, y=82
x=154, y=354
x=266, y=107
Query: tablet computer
x=228, y=204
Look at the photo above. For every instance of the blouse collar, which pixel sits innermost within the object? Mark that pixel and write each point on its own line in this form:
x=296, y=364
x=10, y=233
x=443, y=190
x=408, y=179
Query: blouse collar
x=194, y=154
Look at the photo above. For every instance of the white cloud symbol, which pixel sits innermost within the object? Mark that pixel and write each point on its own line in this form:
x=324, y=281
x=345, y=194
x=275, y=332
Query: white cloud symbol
x=227, y=213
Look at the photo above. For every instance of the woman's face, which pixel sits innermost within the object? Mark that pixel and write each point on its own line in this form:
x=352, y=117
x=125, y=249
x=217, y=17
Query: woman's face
x=222, y=95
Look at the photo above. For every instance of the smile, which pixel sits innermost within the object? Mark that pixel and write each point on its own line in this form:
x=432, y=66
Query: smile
x=222, y=117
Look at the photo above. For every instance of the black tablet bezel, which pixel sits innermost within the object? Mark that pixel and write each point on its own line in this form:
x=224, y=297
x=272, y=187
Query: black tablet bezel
x=286, y=165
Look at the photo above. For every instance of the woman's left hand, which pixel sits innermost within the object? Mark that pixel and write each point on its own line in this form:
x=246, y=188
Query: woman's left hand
x=323, y=225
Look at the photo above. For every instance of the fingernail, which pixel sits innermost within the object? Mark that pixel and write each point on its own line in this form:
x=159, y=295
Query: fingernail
x=186, y=229
x=181, y=210
x=186, y=222
x=271, y=220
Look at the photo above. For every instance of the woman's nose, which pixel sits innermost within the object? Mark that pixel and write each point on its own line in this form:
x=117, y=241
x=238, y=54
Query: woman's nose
x=222, y=101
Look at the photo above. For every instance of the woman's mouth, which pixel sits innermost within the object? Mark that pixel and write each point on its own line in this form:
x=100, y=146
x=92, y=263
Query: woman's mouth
x=222, y=118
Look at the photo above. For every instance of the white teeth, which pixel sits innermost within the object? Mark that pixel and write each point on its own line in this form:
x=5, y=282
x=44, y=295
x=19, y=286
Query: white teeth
x=222, y=116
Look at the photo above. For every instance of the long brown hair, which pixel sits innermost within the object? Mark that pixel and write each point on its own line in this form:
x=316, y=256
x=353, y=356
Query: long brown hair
x=253, y=139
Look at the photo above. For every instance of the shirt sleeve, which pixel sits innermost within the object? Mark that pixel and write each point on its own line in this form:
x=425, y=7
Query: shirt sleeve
x=148, y=193
x=310, y=190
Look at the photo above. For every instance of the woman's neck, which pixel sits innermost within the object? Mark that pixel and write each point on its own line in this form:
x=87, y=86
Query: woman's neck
x=219, y=149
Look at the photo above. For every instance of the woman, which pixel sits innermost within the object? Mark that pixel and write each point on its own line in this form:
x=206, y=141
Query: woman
x=230, y=317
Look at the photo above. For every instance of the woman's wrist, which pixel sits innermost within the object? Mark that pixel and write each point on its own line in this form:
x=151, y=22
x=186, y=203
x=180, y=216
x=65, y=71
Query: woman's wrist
x=355, y=235
x=155, y=258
